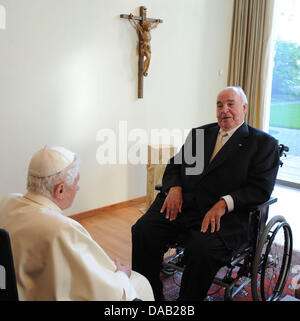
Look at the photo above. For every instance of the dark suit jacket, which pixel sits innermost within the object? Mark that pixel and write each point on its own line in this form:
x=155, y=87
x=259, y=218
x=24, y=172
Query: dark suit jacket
x=245, y=168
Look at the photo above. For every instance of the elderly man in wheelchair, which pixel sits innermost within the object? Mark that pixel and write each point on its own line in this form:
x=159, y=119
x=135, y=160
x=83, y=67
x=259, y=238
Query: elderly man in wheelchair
x=217, y=215
x=263, y=260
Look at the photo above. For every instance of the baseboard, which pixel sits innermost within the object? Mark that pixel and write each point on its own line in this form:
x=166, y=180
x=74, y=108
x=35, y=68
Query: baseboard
x=97, y=211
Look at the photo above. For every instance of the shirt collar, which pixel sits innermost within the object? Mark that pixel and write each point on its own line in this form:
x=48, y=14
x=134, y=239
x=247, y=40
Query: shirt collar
x=231, y=131
x=42, y=200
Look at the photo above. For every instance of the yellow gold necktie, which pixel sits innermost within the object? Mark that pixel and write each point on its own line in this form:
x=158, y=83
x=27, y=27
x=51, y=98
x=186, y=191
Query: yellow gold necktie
x=219, y=144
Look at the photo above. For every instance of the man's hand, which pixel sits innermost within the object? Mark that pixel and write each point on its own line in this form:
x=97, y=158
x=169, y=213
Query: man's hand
x=213, y=217
x=121, y=267
x=172, y=203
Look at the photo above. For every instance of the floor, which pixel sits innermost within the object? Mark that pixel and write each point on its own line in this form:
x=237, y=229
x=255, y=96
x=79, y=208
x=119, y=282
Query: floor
x=112, y=227
x=288, y=205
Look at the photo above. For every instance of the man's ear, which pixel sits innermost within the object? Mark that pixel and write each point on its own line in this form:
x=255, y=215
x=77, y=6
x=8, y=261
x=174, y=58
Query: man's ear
x=59, y=191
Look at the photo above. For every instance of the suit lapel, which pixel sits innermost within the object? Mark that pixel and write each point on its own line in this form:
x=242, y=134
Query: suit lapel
x=210, y=136
x=232, y=146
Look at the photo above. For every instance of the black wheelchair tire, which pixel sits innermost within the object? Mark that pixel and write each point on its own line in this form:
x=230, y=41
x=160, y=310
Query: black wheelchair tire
x=260, y=260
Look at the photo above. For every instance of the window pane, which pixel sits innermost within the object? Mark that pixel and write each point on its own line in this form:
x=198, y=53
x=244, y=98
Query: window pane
x=285, y=102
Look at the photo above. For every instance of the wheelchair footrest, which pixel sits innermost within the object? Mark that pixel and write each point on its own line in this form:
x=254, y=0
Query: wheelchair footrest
x=233, y=286
x=167, y=268
x=238, y=259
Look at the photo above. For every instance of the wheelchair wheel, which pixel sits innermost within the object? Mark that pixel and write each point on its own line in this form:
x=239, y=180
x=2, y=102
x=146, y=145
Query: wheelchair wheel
x=272, y=260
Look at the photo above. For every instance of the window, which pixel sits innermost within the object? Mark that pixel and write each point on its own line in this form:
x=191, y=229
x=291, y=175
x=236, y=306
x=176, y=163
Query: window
x=285, y=100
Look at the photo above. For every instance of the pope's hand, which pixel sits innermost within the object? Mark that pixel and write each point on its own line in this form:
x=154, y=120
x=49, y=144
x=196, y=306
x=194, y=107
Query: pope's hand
x=121, y=267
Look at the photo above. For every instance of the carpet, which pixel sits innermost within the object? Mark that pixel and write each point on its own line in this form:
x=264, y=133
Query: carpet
x=216, y=293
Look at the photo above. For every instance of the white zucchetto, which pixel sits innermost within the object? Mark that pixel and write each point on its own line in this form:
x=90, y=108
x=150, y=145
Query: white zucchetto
x=49, y=161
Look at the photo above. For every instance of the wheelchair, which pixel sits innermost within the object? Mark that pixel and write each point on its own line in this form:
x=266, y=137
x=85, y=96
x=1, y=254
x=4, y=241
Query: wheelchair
x=264, y=261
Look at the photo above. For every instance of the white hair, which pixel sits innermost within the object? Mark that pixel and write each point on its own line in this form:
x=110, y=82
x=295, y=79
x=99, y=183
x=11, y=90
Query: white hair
x=238, y=90
x=45, y=185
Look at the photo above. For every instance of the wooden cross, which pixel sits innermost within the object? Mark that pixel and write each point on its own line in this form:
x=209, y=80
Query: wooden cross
x=141, y=20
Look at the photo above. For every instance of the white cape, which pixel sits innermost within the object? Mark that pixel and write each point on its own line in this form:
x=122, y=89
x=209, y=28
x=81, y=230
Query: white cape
x=55, y=257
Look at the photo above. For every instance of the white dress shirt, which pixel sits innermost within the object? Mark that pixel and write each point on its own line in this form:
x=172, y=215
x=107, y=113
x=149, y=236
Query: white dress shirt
x=227, y=198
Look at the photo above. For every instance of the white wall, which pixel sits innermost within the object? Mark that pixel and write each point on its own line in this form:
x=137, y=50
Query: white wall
x=68, y=68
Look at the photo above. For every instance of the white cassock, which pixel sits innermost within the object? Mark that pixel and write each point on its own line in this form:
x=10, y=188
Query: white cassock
x=55, y=258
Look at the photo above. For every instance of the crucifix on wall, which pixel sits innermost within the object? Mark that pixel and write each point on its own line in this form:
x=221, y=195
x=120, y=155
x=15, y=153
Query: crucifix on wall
x=144, y=25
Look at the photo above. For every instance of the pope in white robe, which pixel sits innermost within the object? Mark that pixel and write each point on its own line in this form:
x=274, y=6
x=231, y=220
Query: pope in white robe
x=55, y=258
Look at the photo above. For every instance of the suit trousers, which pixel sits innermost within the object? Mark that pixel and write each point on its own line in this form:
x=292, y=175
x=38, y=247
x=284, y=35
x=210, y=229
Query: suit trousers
x=205, y=253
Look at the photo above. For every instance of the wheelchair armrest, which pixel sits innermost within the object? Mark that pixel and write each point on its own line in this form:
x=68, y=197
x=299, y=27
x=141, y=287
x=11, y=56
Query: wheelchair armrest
x=258, y=216
x=158, y=187
x=264, y=205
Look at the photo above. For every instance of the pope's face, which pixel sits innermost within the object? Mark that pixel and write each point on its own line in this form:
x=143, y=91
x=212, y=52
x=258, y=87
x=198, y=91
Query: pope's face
x=230, y=109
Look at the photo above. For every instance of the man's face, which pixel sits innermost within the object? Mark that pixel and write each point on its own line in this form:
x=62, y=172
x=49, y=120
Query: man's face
x=230, y=109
